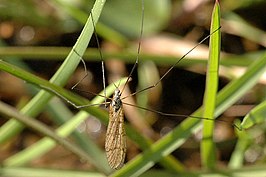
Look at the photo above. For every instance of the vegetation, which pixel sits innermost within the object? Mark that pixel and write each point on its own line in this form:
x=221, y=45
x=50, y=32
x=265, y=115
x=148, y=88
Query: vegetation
x=43, y=134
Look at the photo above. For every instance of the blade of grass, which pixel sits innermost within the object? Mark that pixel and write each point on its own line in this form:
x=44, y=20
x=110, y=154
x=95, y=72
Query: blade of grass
x=238, y=26
x=91, y=54
x=34, y=107
x=225, y=98
x=258, y=171
x=41, y=172
x=208, y=155
x=103, y=30
x=238, y=155
x=255, y=116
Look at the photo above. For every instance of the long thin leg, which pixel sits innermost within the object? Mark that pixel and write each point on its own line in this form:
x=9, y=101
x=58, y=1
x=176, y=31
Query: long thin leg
x=172, y=67
x=102, y=63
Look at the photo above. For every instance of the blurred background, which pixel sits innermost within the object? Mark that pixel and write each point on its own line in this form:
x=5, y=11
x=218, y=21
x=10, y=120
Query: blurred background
x=171, y=28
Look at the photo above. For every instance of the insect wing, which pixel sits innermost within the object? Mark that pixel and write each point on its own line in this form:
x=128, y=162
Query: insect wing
x=115, y=143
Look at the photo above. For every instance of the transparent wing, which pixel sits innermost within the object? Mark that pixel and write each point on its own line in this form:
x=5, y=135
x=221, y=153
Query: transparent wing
x=115, y=143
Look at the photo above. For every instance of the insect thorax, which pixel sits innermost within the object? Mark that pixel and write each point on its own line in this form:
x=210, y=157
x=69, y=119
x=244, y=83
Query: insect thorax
x=116, y=102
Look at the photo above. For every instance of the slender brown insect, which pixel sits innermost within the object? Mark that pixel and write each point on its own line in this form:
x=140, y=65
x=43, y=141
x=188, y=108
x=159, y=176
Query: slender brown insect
x=115, y=141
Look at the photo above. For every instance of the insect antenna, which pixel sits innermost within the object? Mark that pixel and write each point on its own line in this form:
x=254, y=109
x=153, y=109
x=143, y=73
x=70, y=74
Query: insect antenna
x=139, y=45
x=181, y=115
x=85, y=68
x=172, y=67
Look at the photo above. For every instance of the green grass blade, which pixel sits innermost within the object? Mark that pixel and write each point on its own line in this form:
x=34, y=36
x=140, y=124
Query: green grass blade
x=238, y=155
x=45, y=172
x=241, y=27
x=34, y=107
x=255, y=116
x=225, y=98
x=207, y=145
x=92, y=54
x=103, y=30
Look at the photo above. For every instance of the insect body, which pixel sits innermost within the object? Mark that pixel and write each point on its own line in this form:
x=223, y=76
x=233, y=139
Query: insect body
x=115, y=142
